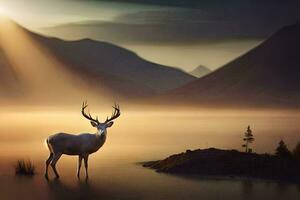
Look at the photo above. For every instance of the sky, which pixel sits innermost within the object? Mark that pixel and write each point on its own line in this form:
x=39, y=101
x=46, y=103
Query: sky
x=182, y=34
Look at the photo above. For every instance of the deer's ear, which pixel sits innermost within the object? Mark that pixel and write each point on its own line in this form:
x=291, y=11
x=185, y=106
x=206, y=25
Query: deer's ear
x=109, y=124
x=94, y=124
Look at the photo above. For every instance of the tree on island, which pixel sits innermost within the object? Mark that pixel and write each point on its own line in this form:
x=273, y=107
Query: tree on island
x=296, y=151
x=282, y=150
x=248, y=138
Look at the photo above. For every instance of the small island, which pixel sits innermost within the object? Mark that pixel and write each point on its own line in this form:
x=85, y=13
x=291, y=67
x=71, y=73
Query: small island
x=283, y=165
x=228, y=163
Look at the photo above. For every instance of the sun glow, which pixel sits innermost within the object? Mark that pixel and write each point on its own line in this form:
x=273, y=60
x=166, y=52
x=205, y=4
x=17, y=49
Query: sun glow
x=4, y=11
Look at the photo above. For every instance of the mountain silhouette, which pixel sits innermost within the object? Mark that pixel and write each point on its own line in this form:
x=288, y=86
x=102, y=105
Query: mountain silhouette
x=200, y=71
x=101, y=57
x=267, y=75
x=96, y=64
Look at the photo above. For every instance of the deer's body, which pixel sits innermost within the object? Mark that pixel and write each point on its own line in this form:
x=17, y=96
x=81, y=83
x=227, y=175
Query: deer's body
x=81, y=145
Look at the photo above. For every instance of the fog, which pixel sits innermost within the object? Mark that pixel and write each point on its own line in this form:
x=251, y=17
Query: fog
x=136, y=136
x=153, y=133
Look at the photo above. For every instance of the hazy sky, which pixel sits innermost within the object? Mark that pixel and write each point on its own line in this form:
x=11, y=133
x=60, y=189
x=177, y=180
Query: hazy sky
x=207, y=19
x=44, y=13
x=178, y=33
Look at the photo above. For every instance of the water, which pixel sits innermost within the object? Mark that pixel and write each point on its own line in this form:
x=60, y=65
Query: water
x=136, y=137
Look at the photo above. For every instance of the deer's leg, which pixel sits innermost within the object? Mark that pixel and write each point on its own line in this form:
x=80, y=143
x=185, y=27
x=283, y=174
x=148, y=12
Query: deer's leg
x=47, y=164
x=53, y=163
x=86, y=158
x=79, y=165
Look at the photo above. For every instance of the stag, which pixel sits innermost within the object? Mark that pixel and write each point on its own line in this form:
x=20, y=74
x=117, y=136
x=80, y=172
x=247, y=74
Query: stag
x=81, y=145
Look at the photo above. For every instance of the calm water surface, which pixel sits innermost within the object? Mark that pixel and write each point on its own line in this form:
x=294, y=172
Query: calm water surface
x=137, y=137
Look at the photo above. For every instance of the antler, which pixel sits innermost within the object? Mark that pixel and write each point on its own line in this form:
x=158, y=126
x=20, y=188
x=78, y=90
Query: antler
x=88, y=116
x=116, y=113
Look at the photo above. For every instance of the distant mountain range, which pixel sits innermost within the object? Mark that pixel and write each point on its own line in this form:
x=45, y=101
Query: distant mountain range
x=100, y=58
x=103, y=65
x=268, y=75
x=200, y=71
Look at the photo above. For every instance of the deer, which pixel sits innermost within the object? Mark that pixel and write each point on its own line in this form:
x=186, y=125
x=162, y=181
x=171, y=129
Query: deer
x=81, y=145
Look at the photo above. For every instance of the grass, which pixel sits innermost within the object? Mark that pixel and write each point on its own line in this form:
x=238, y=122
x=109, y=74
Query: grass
x=25, y=168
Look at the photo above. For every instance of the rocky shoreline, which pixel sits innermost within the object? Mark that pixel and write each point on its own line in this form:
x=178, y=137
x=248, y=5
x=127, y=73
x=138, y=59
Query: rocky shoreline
x=228, y=163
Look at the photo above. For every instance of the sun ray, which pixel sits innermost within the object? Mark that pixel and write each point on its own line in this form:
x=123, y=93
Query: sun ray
x=41, y=75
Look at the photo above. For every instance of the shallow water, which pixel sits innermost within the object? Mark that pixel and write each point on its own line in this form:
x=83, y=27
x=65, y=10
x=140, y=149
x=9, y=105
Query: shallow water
x=136, y=137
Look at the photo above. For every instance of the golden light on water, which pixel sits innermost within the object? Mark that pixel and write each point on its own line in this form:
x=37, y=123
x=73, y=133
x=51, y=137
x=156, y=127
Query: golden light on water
x=153, y=134
x=135, y=137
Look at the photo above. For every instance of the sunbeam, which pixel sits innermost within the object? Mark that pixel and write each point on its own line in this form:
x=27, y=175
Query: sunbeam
x=39, y=73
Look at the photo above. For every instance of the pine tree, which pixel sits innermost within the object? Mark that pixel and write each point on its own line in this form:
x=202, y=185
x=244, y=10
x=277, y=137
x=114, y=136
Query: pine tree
x=282, y=150
x=248, y=138
x=296, y=151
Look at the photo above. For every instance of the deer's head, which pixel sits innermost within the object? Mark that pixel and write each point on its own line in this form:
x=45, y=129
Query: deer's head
x=101, y=126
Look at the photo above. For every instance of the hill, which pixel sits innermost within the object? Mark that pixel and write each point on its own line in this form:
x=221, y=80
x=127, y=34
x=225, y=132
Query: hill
x=200, y=71
x=8, y=78
x=37, y=61
x=97, y=57
x=265, y=76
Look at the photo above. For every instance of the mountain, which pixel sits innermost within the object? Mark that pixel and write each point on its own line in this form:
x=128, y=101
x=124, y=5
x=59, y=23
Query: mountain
x=200, y=71
x=43, y=60
x=267, y=75
x=104, y=58
x=8, y=78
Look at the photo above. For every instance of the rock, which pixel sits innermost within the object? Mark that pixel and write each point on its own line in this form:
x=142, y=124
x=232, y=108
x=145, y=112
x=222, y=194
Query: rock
x=229, y=163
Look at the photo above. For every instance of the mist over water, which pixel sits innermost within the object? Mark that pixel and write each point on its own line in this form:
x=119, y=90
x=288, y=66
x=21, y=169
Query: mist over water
x=173, y=131
x=135, y=137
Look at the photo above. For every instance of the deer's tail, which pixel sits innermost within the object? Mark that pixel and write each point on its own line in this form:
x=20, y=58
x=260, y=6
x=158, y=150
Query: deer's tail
x=49, y=145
